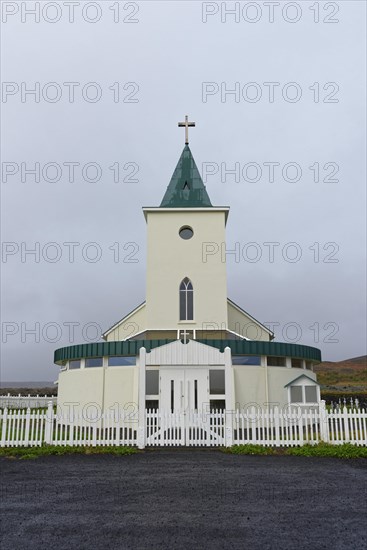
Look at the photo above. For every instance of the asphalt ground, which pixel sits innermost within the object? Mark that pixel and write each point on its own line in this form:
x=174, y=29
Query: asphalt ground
x=183, y=499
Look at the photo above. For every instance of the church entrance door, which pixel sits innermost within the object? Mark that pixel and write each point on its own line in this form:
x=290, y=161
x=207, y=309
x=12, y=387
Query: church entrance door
x=183, y=390
x=182, y=418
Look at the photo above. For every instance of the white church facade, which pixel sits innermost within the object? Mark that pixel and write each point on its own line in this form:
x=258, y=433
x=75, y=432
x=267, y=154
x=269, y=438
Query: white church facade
x=187, y=346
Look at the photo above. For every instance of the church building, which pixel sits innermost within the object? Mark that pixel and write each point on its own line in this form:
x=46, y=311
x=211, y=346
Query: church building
x=188, y=346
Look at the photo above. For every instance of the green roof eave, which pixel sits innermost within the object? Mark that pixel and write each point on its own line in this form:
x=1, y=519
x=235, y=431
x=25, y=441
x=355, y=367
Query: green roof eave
x=101, y=349
x=262, y=347
x=238, y=347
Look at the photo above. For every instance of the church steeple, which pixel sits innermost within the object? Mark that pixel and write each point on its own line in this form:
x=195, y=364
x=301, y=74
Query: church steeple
x=186, y=188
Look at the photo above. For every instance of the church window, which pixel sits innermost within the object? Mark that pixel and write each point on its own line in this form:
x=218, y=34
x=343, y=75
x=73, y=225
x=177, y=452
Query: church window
x=246, y=360
x=297, y=363
x=276, y=361
x=186, y=300
x=311, y=394
x=94, y=362
x=152, y=382
x=216, y=382
x=303, y=394
x=296, y=394
x=116, y=361
x=74, y=364
x=186, y=232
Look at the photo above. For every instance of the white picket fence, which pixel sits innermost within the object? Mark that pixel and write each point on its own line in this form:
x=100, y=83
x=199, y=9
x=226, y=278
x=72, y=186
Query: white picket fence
x=26, y=401
x=163, y=428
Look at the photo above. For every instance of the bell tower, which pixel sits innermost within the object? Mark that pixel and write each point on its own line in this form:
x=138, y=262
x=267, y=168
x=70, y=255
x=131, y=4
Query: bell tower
x=185, y=291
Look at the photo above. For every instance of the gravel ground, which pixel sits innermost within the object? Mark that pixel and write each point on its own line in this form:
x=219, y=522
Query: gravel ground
x=183, y=499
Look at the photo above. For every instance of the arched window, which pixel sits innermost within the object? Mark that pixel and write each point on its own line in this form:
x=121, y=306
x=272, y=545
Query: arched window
x=186, y=300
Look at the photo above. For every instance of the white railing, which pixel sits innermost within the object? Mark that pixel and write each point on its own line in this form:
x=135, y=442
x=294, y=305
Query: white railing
x=270, y=427
x=26, y=401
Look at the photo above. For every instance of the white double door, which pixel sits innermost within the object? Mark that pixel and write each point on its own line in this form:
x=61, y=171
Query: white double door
x=183, y=389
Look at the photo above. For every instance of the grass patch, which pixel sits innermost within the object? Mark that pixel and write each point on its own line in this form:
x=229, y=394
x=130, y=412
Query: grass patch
x=250, y=449
x=49, y=450
x=347, y=450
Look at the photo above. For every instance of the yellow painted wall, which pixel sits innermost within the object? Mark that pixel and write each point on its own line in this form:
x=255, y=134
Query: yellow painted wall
x=80, y=386
x=249, y=384
x=171, y=258
x=127, y=328
x=85, y=386
x=250, y=387
x=242, y=324
x=121, y=386
x=280, y=376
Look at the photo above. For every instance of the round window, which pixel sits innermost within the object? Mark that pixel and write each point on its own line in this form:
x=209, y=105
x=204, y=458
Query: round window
x=186, y=232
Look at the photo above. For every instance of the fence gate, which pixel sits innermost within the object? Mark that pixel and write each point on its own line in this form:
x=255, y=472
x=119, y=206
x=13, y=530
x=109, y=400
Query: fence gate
x=187, y=428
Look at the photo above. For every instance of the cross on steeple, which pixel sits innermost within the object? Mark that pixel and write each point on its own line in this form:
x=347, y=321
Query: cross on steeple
x=186, y=125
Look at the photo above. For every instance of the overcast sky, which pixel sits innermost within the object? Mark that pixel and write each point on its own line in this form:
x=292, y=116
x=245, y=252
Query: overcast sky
x=298, y=88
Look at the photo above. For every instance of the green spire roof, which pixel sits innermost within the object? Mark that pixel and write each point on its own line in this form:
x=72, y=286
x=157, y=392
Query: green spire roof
x=186, y=188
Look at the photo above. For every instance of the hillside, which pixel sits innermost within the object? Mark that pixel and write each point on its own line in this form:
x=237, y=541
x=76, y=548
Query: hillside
x=349, y=375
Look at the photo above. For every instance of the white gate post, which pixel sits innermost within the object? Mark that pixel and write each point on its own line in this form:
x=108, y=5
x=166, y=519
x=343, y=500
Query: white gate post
x=324, y=422
x=49, y=424
x=27, y=426
x=346, y=425
x=300, y=425
x=229, y=388
x=4, y=426
x=141, y=433
x=277, y=414
x=228, y=419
